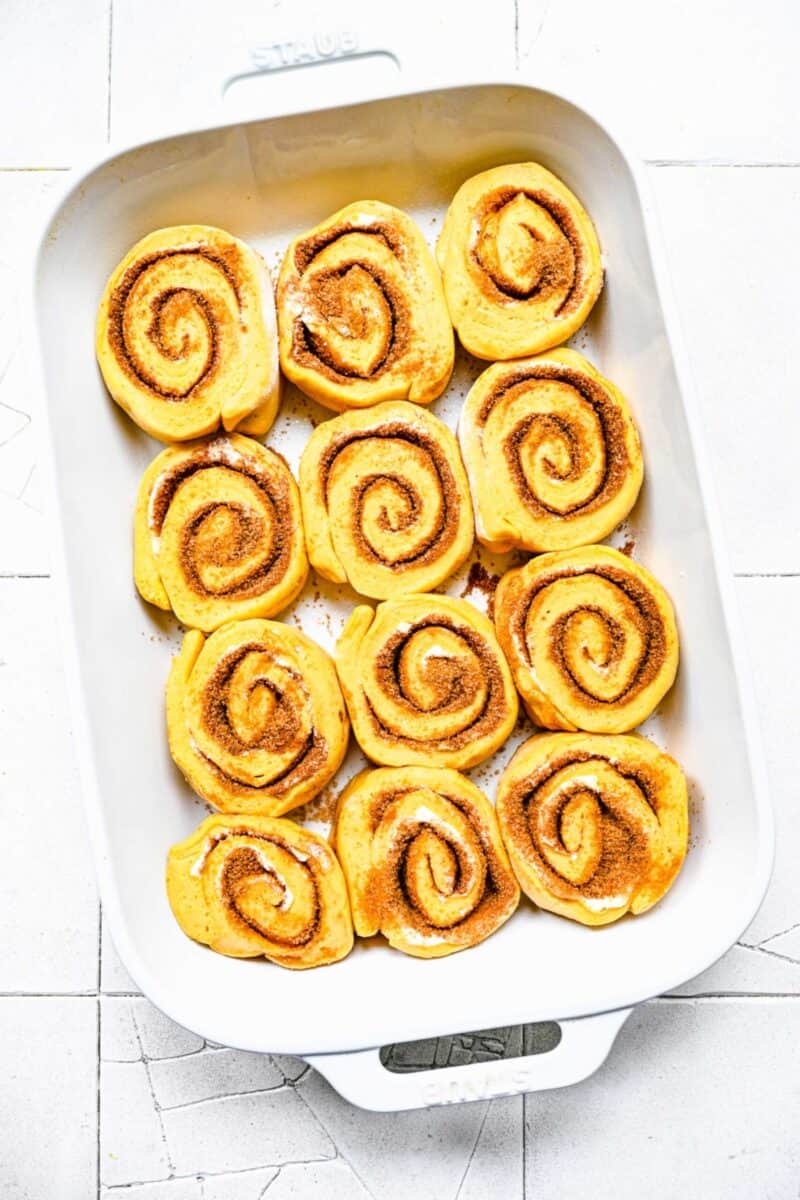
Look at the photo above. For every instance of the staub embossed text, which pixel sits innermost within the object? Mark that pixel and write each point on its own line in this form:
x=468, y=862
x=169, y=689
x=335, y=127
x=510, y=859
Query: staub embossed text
x=313, y=48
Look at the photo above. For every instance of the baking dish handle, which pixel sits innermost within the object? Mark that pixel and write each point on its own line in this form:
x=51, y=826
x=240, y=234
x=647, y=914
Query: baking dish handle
x=362, y=1078
x=326, y=65
x=316, y=69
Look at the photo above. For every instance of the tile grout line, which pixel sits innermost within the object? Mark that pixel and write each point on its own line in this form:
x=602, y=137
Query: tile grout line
x=110, y=59
x=269, y=1185
x=26, y=995
x=99, y=1034
x=516, y=35
x=461, y=1181
x=524, y=1146
x=714, y=997
x=137, y=1183
x=41, y=169
x=338, y=1152
x=156, y=1105
x=730, y=164
x=279, y=1087
x=773, y=936
x=97, y=1109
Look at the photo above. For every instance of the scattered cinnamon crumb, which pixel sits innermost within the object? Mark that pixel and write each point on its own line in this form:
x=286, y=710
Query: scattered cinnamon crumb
x=483, y=581
x=321, y=808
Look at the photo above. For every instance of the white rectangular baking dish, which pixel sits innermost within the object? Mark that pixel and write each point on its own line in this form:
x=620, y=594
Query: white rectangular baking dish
x=265, y=180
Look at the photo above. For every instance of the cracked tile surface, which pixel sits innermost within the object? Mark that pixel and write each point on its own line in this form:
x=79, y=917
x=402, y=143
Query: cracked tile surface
x=650, y=1104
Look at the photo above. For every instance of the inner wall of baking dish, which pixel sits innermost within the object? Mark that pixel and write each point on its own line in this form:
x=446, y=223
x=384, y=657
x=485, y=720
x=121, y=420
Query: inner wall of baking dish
x=265, y=182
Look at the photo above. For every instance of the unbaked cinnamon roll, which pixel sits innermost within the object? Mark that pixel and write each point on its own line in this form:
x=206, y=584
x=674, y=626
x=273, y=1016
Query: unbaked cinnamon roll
x=255, y=887
x=187, y=336
x=595, y=826
x=361, y=312
x=385, y=500
x=255, y=717
x=425, y=682
x=218, y=532
x=551, y=451
x=520, y=261
x=590, y=637
x=423, y=858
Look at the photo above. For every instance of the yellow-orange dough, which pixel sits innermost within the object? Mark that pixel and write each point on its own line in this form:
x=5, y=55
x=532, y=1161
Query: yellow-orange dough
x=255, y=717
x=361, y=312
x=218, y=532
x=595, y=825
x=551, y=451
x=423, y=858
x=425, y=682
x=590, y=637
x=386, y=503
x=186, y=335
x=255, y=887
x=520, y=261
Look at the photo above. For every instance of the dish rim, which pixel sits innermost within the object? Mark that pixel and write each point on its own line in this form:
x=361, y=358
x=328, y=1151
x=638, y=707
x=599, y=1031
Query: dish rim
x=93, y=807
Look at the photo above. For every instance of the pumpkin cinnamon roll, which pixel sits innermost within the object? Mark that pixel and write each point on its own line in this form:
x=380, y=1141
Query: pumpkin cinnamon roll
x=385, y=499
x=254, y=887
x=551, y=451
x=520, y=261
x=596, y=826
x=423, y=858
x=187, y=335
x=425, y=682
x=255, y=717
x=591, y=639
x=361, y=311
x=218, y=532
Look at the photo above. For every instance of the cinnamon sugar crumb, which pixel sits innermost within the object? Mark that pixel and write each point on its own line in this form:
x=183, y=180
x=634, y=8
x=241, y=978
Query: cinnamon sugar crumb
x=483, y=581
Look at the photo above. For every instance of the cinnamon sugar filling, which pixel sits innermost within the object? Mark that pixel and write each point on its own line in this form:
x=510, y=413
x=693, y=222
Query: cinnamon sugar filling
x=617, y=460
x=388, y=891
x=311, y=351
x=624, y=858
x=559, y=266
x=247, y=538
x=279, y=735
x=240, y=866
x=456, y=685
x=651, y=628
x=119, y=318
x=446, y=529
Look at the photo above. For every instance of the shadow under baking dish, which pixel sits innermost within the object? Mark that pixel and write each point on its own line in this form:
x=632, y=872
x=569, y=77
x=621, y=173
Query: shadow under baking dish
x=264, y=182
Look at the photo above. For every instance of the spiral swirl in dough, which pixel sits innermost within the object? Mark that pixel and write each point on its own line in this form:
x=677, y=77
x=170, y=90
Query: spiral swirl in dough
x=520, y=261
x=424, y=862
x=261, y=886
x=596, y=826
x=552, y=454
x=425, y=682
x=218, y=532
x=385, y=499
x=187, y=335
x=591, y=639
x=255, y=717
x=361, y=311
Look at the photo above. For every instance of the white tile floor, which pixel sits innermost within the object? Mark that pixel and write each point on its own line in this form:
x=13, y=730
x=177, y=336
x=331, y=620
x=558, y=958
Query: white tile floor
x=701, y=1095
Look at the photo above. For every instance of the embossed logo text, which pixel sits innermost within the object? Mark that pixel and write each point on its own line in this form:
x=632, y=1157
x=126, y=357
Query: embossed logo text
x=314, y=48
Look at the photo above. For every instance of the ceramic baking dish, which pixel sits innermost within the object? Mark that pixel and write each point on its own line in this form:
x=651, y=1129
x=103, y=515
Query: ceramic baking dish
x=265, y=180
